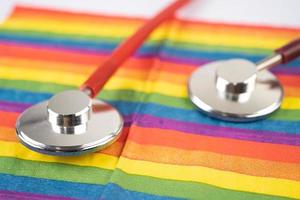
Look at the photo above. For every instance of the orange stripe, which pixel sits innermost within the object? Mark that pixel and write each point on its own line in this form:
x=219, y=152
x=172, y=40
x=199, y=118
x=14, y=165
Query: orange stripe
x=177, y=156
x=117, y=147
x=291, y=91
x=8, y=118
x=170, y=155
x=181, y=140
x=238, y=164
x=291, y=80
x=8, y=134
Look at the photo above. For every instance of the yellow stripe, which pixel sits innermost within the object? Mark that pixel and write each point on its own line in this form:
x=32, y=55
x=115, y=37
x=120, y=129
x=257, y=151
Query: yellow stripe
x=13, y=149
x=47, y=64
x=105, y=30
x=115, y=83
x=224, y=179
x=160, y=87
x=60, y=77
x=291, y=103
x=82, y=69
x=175, y=33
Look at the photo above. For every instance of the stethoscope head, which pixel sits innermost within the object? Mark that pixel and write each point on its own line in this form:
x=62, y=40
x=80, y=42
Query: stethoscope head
x=239, y=90
x=70, y=123
x=234, y=90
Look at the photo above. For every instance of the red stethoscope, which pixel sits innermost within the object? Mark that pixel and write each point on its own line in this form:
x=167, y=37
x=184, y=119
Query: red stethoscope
x=74, y=122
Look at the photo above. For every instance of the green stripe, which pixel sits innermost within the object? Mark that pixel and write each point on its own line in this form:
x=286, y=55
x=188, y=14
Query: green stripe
x=181, y=189
x=117, y=40
x=56, y=171
x=135, y=96
x=286, y=115
x=47, y=34
x=182, y=103
x=34, y=86
x=130, y=96
x=93, y=175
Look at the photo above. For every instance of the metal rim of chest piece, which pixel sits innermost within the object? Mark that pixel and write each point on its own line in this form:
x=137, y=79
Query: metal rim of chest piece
x=70, y=123
x=233, y=90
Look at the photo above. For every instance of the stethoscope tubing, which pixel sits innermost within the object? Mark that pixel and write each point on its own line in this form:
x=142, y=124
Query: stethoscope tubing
x=101, y=75
x=73, y=122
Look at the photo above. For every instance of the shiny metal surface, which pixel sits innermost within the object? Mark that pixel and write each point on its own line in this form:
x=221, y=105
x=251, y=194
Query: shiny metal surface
x=71, y=117
x=269, y=62
x=70, y=123
x=236, y=94
x=235, y=79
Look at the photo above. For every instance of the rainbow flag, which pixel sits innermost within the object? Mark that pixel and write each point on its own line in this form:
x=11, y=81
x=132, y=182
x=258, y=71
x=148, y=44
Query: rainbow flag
x=168, y=149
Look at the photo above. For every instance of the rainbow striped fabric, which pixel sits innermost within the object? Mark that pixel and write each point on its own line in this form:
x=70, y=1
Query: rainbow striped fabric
x=167, y=149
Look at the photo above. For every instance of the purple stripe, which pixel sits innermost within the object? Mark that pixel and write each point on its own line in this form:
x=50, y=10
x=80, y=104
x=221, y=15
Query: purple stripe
x=286, y=70
x=11, y=195
x=215, y=131
x=13, y=107
x=186, y=61
x=195, y=62
x=194, y=128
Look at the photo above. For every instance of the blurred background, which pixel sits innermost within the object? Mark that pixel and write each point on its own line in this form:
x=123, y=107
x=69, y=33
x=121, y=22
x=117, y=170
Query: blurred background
x=265, y=12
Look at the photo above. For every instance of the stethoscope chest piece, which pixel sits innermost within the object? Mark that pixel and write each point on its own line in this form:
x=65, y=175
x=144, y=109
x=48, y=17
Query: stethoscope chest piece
x=70, y=123
x=234, y=90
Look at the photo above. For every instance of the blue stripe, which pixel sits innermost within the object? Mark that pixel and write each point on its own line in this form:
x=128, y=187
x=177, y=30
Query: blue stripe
x=70, y=189
x=102, y=46
x=113, y=191
x=50, y=187
x=20, y=96
x=129, y=108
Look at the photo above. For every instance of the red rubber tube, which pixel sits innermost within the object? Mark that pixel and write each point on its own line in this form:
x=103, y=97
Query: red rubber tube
x=289, y=51
x=97, y=80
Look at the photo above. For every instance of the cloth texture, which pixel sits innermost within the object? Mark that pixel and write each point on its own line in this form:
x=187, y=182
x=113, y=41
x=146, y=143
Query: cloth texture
x=168, y=149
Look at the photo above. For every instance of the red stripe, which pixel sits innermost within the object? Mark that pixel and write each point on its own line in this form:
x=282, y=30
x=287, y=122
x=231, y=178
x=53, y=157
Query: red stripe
x=8, y=118
x=171, y=138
